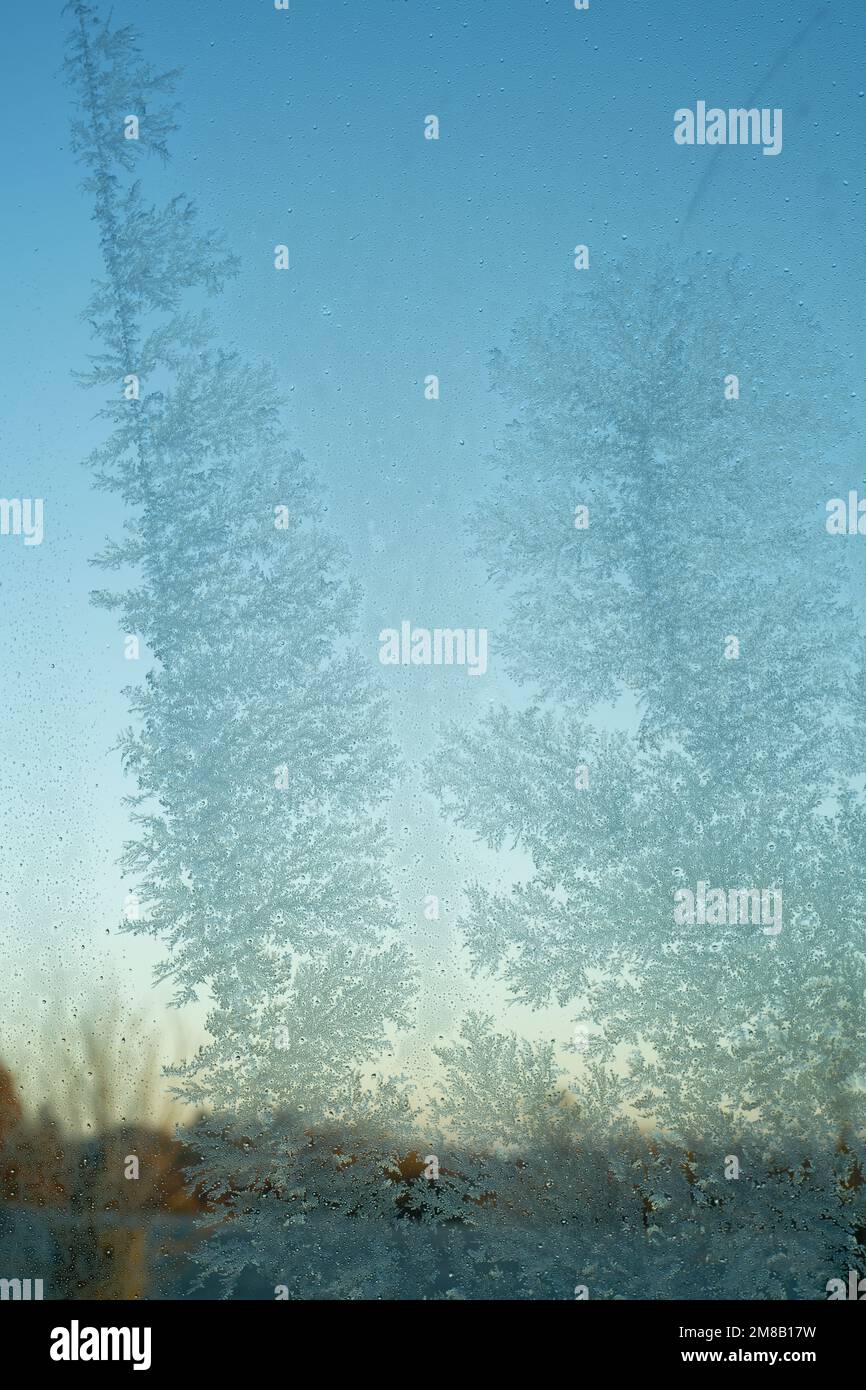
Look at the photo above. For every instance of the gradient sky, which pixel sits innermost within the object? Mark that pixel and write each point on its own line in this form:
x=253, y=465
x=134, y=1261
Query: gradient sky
x=409, y=257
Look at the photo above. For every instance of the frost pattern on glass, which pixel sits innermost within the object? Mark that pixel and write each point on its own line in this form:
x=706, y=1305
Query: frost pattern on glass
x=708, y=1140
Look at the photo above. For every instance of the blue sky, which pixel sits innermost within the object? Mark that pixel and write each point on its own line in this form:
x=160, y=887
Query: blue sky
x=409, y=257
